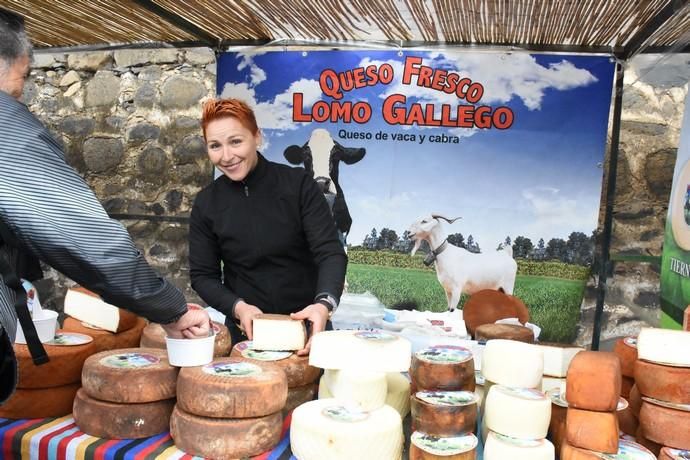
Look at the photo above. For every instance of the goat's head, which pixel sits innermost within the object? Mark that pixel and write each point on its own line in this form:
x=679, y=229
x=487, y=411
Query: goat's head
x=424, y=227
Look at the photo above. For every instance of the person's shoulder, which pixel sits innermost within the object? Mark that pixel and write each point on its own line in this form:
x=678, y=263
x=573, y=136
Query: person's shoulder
x=208, y=195
x=292, y=173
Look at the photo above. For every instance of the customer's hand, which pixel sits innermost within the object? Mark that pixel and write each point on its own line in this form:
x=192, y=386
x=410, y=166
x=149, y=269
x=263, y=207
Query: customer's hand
x=194, y=324
x=246, y=313
x=317, y=315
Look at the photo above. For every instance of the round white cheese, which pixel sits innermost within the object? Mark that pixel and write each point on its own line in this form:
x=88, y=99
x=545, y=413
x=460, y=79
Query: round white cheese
x=365, y=391
x=374, y=351
x=513, y=364
x=499, y=447
x=517, y=412
x=664, y=346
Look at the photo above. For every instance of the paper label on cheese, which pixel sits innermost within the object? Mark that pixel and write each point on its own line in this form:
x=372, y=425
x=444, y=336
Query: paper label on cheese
x=130, y=360
x=679, y=454
x=344, y=414
x=69, y=339
x=376, y=336
x=670, y=405
x=558, y=399
x=630, y=341
x=448, y=398
x=479, y=378
x=520, y=442
x=238, y=369
x=246, y=349
x=522, y=393
x=444, y=354
x=628, y=451
x=444, y=446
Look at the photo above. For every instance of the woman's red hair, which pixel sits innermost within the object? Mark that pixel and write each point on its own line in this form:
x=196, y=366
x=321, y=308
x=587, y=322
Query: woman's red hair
x=215, y=109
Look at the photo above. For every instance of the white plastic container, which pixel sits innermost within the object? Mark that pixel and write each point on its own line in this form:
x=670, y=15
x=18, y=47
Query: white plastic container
x=46, y=326
x=190, y=352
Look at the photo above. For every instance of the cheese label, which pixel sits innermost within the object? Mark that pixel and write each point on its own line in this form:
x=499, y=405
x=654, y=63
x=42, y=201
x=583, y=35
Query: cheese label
x=376, y=336
x=236, y=369
x=344, y=414
x=630, y=341
x=679, y=454
x=69, y=338
x=444, y=354
x=130, y=360
x=444, y=446
x=558, y=399
x=628, y=450
x=670, y=405
x=522, y=393
x=246, y=350
x=519, y=442
x=448, y=398
x=479, y=378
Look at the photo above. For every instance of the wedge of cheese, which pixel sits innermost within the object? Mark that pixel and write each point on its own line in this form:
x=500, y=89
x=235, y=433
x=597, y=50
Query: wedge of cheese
x=88, y=307
x=278, y=332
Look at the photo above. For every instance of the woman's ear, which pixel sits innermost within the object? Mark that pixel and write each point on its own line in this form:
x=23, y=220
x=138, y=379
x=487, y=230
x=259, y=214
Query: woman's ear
x=259, y=137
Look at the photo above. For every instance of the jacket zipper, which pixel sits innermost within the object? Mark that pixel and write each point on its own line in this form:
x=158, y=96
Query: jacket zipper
x=246, y=189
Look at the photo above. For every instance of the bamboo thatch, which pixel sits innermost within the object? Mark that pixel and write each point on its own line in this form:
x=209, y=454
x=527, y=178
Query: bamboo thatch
x=528, y=23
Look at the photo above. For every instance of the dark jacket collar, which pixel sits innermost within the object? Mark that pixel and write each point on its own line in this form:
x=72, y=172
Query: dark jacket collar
x=255, y=174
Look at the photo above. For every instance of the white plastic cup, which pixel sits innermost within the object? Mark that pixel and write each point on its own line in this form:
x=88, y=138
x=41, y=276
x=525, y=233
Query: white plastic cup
x=190, y=352
x=46, y=326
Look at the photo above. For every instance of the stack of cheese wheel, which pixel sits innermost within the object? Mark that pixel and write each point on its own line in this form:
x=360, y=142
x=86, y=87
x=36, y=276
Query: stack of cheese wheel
x=443, y=403
x=662, y=377
x=593, y=388
x=48, y=390
x=516, y=413
x=153, y=336
x=230, y=408
x=355, y=422
x=111, y=327
x=626, y=350
x=126, y=394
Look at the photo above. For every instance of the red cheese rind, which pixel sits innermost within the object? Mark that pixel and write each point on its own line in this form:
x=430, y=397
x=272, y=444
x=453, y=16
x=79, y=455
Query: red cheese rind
x=593, y=381
x=129, y=385
x=488, y=306
x=63, y=368
x=121, y=421
x=440, y=376
x=569, y=452
x=207, y=395
x=635, y=401
x=504, y=331
x=127, y=319
x=557, y=426
x=627, y=422
x=419, y=454
x=299, y=395
x=106, y=340
x=440, y=420
x=597, y=431
x=225, y=438
x=664, y=426
x=40, y=402
x=665, y=383
x=297, y=369
x=627, y=356
x=153, y=336
x=626, y=385
x=642, y=440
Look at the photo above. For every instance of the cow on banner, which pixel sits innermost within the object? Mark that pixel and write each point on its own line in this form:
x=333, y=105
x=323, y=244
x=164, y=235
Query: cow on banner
x=321, y=156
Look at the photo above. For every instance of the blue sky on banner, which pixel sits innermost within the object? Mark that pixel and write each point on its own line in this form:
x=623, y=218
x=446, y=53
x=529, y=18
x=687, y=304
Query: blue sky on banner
x=540, y=178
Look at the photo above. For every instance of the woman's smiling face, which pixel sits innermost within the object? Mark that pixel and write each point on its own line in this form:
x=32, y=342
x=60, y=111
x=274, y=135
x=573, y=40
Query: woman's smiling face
x=231, y=147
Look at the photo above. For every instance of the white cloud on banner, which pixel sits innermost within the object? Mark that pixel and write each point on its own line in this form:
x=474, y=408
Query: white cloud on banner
x=555, y=214
x=257, y=74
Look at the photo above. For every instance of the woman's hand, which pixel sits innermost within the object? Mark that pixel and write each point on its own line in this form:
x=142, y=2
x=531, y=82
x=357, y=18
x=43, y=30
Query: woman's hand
x=246, y=313
x=315, y=313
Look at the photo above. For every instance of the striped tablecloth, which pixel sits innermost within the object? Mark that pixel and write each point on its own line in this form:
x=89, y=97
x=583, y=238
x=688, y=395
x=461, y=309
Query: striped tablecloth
x=60, y=439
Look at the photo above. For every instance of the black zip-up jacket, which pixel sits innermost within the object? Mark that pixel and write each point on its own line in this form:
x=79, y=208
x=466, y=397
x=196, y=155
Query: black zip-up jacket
x=275, y=237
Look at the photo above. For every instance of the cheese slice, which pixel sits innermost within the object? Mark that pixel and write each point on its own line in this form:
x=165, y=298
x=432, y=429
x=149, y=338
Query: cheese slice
x=499, y=447
x=518, y=413
x=88, y=307
x=664, y=346
x=375, y=351
x=557, y=359
x=326, y=430
x=365, y=391
x=513, y=364
x=278, y=332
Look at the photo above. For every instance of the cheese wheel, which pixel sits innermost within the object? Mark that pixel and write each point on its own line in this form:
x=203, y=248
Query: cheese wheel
x=626, y=450
x=665, y=426
x=130, y=375
x=64, y=367
x=365, y=391
x=626, y=350
x=487, y=332
x=153, y=336
x=499, y=447
x=121, y=421
x=225, y=438
x=627, y=422
x=557, y=426
x=517, y=412
x=40, y=402
x=626, y=385
x=444, y=413
x=375, y=351
x=87, y=306
x=278, y=332
x=569, y=452
x=664, y=346
x=488, y=306
x=398, y=395
x=326, y=430
x=665, y=383
x=668, y=453
x=426, y=447
x=297, y=368
x=557, y=358
x=652, y=446
x=443, y=367
x=635, y=401
x=297, y=396
x=106, y=340
x=591, y=430
x=594, y=382
x=232, y=388
x=513, y=364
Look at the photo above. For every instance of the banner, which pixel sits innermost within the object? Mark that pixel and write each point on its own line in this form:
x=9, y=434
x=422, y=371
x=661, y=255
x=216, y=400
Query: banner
x=495, y=157
x=675, y=261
